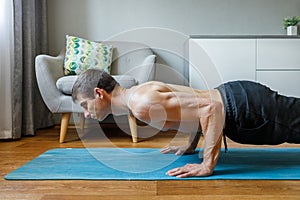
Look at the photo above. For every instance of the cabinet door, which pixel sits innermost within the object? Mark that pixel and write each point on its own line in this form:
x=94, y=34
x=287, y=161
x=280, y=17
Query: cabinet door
x=285, y=82
x=214, y=61
x=278, y=54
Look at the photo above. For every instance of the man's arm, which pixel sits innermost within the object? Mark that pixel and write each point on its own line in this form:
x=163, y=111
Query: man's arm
x=212, y=127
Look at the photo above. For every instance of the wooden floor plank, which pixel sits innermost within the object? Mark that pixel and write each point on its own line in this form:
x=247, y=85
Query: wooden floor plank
x=170, y=197
x=229, y=187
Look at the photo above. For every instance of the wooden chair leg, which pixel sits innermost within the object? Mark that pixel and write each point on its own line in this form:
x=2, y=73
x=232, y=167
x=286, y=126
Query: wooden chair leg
x=133, y=128
x=65, y=118
x=82, y=122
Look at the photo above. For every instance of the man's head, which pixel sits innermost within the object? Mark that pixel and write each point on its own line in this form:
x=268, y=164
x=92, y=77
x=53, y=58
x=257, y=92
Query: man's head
x=89, y=80
x=92, y=90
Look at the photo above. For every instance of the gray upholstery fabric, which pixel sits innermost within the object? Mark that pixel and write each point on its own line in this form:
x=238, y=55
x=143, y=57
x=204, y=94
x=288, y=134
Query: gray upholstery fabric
x=65, y=84
x=129, y=58
x=125, y=81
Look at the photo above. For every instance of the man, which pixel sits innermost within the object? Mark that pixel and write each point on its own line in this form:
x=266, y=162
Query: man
x=244, y=111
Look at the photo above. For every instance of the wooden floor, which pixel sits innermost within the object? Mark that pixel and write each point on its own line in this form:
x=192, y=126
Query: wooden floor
x=13, y=154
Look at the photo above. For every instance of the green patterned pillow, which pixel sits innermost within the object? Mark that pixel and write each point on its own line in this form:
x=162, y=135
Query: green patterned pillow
x=82, y=54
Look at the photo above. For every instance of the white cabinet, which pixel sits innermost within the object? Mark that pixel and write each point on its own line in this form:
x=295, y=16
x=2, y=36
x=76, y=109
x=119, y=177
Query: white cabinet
x=278, y=65
x=278, y=54
x=274, y=62
x=285, y=82
x=214, y=61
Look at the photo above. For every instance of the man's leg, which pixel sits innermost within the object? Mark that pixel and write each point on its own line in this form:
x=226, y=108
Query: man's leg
x=262, y=116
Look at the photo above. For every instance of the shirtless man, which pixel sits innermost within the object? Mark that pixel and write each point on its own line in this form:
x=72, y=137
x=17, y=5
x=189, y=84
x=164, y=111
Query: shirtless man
x=244, y=111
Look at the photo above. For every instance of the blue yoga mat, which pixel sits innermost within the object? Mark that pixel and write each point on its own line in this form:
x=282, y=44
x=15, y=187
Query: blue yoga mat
x=150, y=164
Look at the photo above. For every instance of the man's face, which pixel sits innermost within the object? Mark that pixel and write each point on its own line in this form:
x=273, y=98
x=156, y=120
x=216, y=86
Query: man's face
x=96, y=108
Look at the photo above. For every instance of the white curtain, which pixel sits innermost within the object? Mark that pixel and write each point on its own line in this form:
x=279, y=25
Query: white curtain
x=6, y=61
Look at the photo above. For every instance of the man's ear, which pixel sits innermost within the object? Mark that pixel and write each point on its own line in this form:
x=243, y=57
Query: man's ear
x=98, y=93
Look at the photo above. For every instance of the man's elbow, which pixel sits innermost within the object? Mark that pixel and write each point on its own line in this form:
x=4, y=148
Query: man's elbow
x=216, y=107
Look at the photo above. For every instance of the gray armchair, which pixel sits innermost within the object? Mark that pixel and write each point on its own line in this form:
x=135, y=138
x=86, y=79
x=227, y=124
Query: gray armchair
x=133, y=63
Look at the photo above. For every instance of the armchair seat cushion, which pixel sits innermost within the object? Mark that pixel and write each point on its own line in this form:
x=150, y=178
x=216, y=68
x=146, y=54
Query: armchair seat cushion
x=65, y=83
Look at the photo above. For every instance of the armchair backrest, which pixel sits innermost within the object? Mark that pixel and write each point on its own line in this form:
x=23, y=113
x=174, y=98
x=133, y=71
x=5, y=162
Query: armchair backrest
x=129, y=58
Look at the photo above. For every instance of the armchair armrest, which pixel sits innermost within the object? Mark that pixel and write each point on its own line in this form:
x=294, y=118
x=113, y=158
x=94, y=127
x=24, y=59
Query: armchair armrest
x=48, y=69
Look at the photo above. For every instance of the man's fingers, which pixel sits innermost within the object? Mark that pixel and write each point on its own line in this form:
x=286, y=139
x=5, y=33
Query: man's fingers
x=169, y=149
x=179, y=152
x=172, y=171
x=185, y=175
x=165, y=150
x=181, y=172
x=176, y=171
x=189, y=170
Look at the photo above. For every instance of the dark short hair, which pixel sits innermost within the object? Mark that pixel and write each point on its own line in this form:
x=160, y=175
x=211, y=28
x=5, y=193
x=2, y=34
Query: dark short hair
x=91, y=78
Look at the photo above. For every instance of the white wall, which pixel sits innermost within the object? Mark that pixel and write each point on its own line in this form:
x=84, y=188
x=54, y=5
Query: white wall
x=100, y=20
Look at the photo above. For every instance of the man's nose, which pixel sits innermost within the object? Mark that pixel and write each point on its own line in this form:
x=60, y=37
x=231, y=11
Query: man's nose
x=87, y=114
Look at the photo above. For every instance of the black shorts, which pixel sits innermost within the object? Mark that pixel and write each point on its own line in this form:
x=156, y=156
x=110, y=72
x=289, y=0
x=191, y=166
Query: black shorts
x=257, y=115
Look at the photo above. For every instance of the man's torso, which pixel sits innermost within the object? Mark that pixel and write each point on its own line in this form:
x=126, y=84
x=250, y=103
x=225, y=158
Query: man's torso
x=174, y=106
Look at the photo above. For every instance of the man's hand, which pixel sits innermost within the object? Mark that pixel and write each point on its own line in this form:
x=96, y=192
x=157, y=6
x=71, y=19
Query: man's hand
x=191, y=170
x=186, y=149
x=178, y=150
